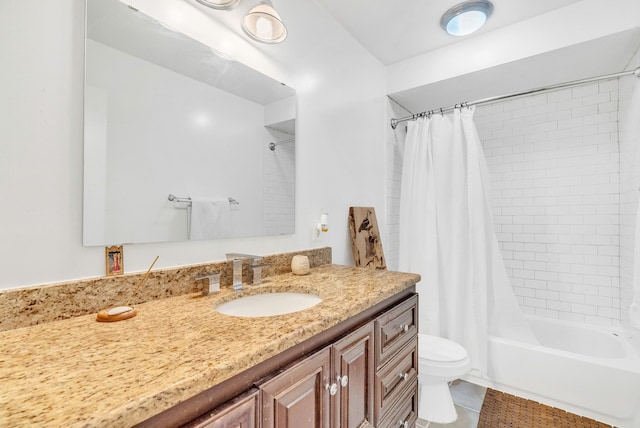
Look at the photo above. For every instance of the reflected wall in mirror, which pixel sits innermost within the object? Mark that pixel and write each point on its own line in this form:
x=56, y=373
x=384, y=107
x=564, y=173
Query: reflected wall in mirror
x=165, y=114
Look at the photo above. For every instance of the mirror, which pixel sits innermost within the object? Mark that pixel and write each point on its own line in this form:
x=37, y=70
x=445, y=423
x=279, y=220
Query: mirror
x=166, y=115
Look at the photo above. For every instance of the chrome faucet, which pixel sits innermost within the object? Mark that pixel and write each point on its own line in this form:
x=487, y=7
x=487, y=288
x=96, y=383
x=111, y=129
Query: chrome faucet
x=237, y=268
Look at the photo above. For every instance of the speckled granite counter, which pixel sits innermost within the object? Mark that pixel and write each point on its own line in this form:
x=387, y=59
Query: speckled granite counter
x=78, y=372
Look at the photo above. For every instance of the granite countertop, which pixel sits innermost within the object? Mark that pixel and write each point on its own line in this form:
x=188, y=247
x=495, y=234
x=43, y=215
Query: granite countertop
x=79, y=372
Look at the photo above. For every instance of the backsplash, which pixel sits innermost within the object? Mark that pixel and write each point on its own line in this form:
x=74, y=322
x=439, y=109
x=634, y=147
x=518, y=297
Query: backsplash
x=36, y=305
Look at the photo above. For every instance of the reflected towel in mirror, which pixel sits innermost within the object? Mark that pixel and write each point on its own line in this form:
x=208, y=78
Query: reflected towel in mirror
x=210, y=218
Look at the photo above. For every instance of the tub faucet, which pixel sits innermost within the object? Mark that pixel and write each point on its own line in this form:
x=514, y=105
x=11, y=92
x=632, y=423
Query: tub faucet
x=237, y=268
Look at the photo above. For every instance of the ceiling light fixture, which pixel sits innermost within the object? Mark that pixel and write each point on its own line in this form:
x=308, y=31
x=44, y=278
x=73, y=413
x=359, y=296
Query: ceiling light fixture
x=219, y=4
x=263, y=24
x=467, y=17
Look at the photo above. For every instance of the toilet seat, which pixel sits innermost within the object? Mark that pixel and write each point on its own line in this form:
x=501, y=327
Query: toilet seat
x=440, y=350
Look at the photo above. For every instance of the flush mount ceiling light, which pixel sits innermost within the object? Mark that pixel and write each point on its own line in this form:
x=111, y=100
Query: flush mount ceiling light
x=263, y=24
x=466, y=17
x=219, y=4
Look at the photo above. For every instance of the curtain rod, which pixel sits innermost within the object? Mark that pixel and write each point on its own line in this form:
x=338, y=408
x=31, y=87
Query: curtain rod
x=636, y=72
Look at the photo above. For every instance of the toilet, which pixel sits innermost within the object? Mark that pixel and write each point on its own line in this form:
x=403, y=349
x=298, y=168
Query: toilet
x=440, y=361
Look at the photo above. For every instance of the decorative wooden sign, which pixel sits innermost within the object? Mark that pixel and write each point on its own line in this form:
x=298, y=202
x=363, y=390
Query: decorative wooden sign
x=365, y=238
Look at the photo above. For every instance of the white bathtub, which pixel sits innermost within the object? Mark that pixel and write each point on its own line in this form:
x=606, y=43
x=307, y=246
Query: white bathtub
x=590, y=371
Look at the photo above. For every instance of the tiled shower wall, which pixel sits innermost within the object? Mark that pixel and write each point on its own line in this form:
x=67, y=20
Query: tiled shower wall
x=629, y=112
x=394, y=146
x=554, y=165
x=279, y=185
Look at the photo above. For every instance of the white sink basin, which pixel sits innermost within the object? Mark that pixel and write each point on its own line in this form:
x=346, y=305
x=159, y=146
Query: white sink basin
x=269, y=304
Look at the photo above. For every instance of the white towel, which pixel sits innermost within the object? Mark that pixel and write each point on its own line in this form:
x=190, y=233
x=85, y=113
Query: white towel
x=210, y=218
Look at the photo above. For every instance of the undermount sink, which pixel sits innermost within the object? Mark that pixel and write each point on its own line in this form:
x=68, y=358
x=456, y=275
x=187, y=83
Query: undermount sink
x=269, y=304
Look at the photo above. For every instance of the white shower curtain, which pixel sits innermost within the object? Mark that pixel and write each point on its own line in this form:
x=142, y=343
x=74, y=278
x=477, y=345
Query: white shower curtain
x=447, y=236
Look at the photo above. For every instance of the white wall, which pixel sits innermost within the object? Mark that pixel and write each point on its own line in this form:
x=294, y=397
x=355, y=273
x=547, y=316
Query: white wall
x=339, y=147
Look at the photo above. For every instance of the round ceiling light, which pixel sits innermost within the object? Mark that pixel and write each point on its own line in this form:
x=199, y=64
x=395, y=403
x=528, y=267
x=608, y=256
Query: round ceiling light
x=467, y=17
x=219, y=4
x=263, y=24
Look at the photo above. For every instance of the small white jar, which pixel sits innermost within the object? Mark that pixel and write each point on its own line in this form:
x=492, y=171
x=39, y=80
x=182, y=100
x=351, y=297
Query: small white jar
x=300, y=265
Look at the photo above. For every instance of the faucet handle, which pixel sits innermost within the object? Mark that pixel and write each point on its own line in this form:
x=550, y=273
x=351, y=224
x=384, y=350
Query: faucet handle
x=257, y=273
x=213, y=283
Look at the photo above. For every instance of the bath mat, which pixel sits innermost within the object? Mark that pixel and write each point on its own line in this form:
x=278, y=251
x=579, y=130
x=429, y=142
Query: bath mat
x=500, y=410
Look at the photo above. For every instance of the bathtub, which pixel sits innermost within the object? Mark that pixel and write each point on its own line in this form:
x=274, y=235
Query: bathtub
x=590, y=371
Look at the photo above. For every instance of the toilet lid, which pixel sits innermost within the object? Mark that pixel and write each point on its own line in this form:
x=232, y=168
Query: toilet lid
x=436, y=348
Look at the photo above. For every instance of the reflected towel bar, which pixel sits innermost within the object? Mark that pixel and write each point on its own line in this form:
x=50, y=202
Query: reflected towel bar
x=272, y=145
x=188, y=199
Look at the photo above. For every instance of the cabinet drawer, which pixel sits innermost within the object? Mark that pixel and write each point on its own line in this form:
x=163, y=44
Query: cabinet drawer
x=395, y=328
x=394, y=377
x=405, y=410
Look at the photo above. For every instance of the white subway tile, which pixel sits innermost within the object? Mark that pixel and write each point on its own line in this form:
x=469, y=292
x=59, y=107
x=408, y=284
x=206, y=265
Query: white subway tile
x=585, y=289
x=584, y=309
x=585, y=90
x=572, y=297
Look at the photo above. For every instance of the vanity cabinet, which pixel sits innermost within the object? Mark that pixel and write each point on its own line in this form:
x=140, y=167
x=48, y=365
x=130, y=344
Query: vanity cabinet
x=359, y=373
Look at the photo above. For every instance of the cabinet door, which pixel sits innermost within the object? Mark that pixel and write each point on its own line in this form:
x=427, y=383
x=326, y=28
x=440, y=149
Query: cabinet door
x=298, y=397
x=241, y=412
x=353, y=365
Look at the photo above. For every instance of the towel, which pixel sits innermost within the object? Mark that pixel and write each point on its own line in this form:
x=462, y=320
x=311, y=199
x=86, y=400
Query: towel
x=210, y=218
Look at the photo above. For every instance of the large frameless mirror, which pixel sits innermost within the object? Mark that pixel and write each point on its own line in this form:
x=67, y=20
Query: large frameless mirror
x=166, y=115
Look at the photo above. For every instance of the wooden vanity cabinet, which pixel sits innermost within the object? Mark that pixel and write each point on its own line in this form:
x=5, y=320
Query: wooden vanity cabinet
x=359, y=373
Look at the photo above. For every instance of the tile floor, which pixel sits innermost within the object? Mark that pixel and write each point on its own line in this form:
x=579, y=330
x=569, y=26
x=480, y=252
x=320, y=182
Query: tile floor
x=468, y=399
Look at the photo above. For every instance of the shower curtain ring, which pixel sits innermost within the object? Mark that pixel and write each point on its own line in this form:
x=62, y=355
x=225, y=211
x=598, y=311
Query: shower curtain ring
x=441, y=112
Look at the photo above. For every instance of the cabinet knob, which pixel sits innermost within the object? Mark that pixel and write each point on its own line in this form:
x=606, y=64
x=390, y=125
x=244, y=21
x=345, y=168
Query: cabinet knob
x=333, y=388
x=404, y=424
x=403, y=376
x=404, y=327
x=343, y=380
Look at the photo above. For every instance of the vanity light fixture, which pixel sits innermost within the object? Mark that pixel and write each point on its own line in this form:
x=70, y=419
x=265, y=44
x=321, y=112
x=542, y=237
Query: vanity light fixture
x=466, y=18
x=219, y=4
x=264, y=24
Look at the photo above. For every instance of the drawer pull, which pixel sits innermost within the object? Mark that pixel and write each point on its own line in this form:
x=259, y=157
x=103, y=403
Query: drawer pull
x=333, y=388
x=404, y=327
x=403, y=376
x=404, y=424
x=343, y=380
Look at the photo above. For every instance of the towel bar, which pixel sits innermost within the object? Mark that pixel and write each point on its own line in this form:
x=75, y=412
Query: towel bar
x=188, y=199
